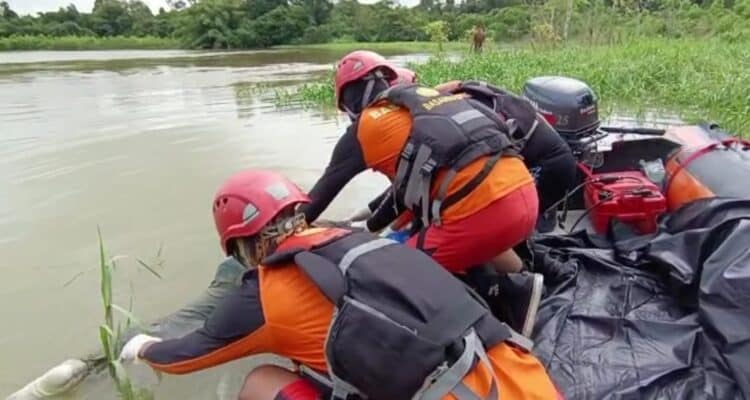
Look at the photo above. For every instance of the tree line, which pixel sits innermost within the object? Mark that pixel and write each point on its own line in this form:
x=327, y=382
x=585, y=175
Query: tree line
x=227, y=24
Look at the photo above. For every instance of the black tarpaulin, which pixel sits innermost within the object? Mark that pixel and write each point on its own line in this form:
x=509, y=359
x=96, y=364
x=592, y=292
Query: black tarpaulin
x=659, y=317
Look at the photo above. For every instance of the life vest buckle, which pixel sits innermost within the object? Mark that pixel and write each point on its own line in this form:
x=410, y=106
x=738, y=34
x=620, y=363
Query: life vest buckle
x=428, y=167
x=408, y=151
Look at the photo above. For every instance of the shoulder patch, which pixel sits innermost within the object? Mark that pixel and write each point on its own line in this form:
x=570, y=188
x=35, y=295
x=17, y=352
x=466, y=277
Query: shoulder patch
x=427, y=92
x=377, y=112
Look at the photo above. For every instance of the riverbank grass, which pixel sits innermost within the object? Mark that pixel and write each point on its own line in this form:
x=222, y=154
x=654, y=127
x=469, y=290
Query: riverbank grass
x=40, y=42
x=86, y=43
x=385, y=47
x=694, y=79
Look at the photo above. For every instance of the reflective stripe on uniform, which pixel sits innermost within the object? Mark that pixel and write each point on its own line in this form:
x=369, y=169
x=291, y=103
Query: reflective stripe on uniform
x=357, y=251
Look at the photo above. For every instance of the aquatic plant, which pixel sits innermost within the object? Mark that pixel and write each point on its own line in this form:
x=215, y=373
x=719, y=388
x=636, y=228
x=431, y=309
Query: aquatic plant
x=112, y=330
x=695, y=79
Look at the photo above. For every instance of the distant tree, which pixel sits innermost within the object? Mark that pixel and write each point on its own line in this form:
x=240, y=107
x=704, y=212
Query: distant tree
x=111, y=18
x=6, y=12
x=317, y=11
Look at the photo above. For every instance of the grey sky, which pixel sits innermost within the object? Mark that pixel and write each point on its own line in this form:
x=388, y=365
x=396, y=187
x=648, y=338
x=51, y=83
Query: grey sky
x=34, y=6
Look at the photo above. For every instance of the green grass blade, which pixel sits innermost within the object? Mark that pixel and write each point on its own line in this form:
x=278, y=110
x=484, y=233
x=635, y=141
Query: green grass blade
x=127, y=314
x=105, y=335
x=106, y=281
x=76, y=276
x=148, y=267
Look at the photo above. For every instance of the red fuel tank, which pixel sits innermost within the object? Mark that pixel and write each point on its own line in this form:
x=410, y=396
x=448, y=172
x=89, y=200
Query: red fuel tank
x=628, y=197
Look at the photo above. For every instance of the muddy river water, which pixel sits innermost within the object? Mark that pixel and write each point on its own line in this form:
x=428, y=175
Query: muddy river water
x=136, y=142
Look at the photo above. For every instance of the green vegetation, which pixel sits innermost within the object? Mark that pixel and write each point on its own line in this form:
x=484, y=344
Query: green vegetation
x=112, y=329
x=233, y=24
x=110, y=332
x=384, y=47
x=707, y=79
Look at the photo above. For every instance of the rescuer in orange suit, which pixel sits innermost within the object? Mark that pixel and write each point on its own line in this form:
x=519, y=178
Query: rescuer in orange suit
x=453, y=169
x=286, y=304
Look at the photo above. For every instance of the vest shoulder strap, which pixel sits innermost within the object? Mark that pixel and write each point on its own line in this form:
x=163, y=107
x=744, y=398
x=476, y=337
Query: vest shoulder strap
x=299, y=249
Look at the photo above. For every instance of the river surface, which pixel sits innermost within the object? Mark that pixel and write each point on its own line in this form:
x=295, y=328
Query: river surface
x=137, y=142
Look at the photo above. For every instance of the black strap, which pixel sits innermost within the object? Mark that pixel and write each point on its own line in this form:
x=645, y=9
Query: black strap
x=281, y=257
x=473, y=183
x=421, y=236
x=324, y=273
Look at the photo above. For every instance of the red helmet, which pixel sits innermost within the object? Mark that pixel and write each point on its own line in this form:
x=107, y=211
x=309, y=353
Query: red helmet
x=404, y=75
x=249, y=200
x=357, y=65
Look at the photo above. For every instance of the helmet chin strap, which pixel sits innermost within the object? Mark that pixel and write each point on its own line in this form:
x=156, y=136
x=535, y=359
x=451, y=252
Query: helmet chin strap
x=352, y=115
x=371, y=79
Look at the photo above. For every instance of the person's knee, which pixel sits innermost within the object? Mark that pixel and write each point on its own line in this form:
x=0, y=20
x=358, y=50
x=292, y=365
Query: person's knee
x=265, y=382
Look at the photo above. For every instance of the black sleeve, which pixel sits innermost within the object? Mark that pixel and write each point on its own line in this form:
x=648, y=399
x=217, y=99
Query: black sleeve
x=237, y=316
x=374, y=203
x=346, y=162
x=386, y=213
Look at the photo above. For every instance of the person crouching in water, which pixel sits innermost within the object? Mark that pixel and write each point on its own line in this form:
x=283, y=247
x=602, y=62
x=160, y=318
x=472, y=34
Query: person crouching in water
x=452, y=167
x=359, y=315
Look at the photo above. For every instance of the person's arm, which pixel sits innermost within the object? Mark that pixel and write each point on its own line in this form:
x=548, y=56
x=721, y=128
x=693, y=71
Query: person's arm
x=235, y=329
x=367, y=212
x=346, y=162
x=385, y=213
x=375, y=203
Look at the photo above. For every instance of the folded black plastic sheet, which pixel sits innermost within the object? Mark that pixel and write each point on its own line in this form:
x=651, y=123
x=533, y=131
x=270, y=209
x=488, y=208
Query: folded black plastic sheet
x=659, y=317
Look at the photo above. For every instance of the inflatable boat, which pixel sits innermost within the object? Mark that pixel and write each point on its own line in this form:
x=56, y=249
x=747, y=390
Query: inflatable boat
x=647, y=273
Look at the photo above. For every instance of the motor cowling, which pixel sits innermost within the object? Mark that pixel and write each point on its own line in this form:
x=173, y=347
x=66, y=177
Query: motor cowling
x=568, y=104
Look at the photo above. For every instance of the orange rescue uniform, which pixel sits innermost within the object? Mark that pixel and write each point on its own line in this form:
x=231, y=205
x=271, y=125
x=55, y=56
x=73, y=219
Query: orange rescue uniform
x=279, y=310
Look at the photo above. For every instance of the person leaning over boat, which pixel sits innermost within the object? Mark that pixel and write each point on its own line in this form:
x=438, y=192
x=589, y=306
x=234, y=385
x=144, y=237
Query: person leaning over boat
x=544, y=151
x=357, y=313
x=480, y=205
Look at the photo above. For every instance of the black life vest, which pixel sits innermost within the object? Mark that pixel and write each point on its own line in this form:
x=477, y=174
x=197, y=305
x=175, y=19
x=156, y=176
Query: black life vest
x=404, y=327
x=448, y=131
x=519, y=114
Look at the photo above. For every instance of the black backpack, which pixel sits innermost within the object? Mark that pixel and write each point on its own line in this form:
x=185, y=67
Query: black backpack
x=404, y=327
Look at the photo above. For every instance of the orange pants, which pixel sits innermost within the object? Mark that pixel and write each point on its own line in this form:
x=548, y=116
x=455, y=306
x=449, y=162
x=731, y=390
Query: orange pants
x=478, y=238
x=520, y=377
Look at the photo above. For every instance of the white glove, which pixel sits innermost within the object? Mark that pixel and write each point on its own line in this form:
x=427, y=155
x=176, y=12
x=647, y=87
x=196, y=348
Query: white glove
x=133, y=347
x=361, y=215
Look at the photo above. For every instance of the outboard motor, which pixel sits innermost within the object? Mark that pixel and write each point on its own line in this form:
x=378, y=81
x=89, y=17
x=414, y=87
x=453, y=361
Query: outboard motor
x=570, y=106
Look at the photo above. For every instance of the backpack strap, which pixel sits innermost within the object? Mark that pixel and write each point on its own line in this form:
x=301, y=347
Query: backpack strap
x=448, y=201
x=364, y=248
x=449, y=379
x=324, y=274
